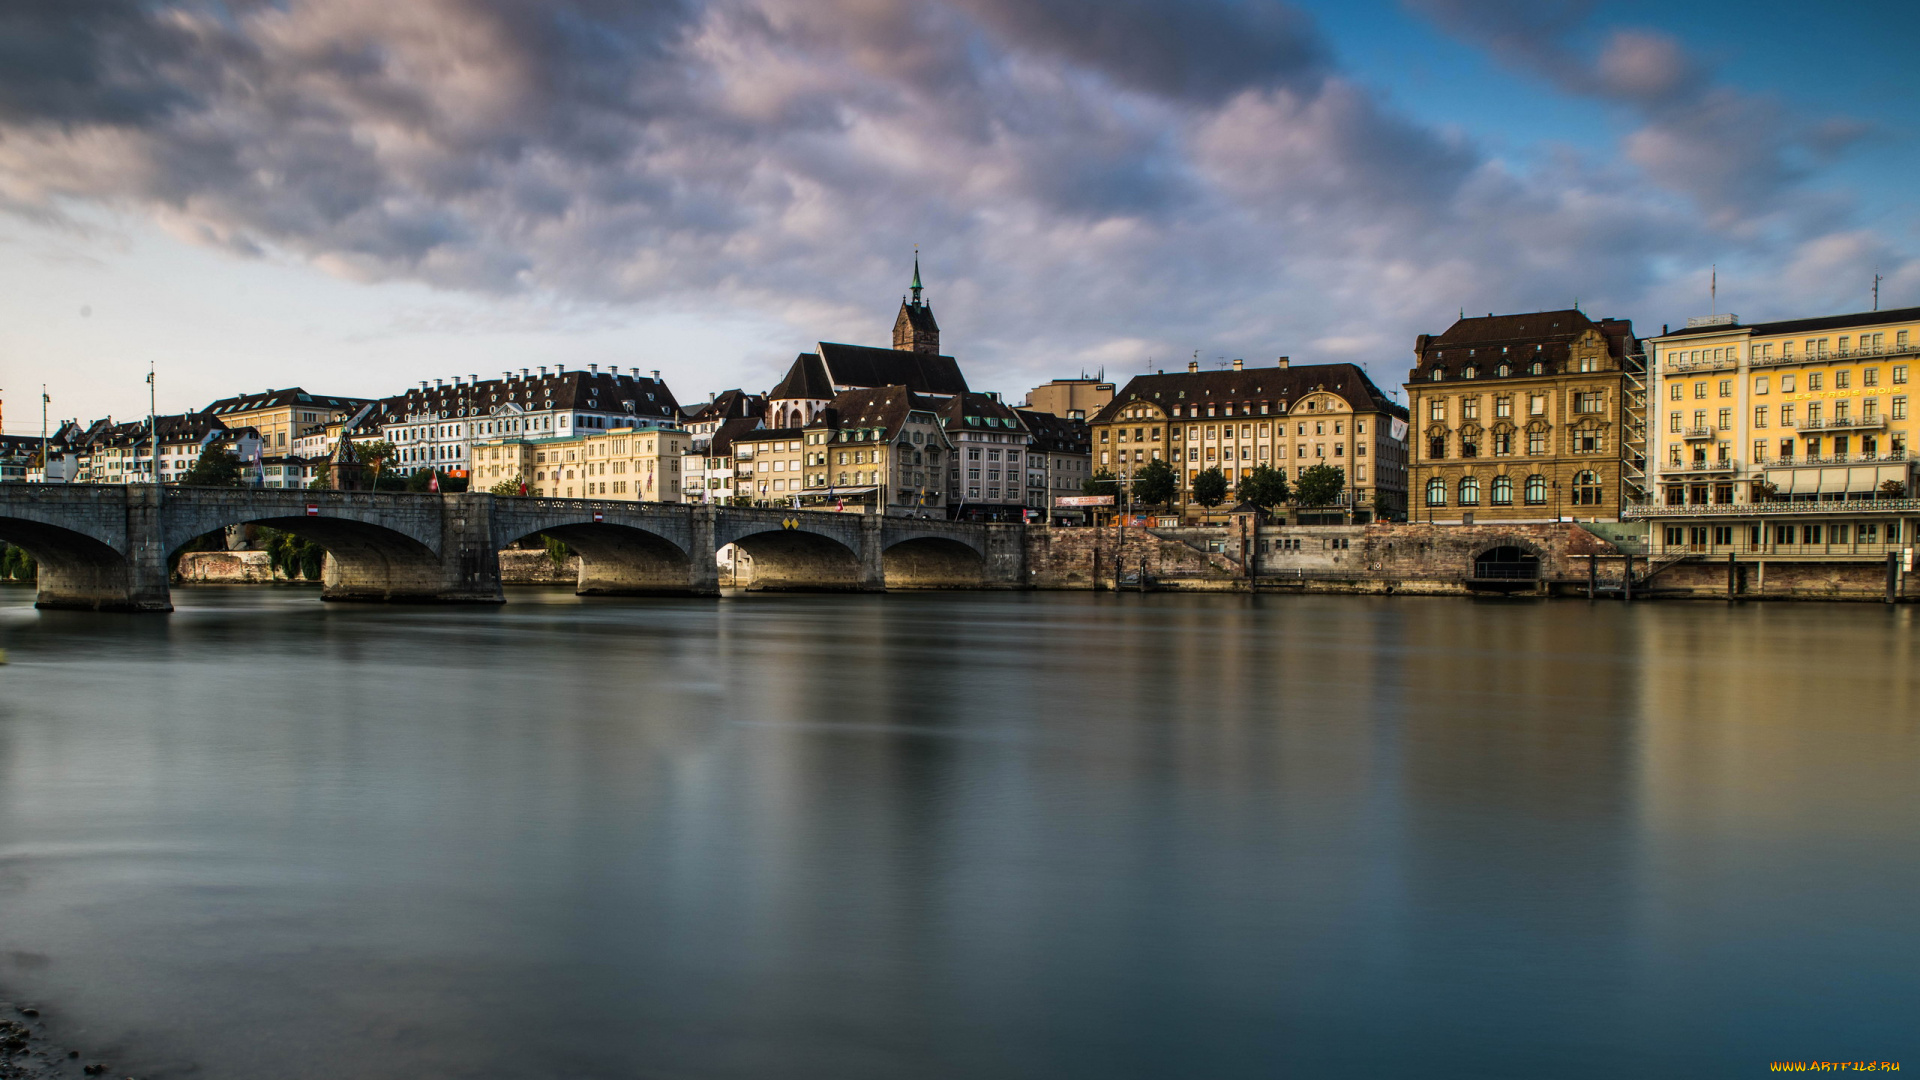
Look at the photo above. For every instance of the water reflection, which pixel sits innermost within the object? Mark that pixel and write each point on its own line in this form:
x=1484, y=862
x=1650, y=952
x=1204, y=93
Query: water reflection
x=961, y=836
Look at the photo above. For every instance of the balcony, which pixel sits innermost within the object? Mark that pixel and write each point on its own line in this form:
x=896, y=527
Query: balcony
x=1838, y=459
x=1699, y=468
x=1833, y=355
x=1702, y=365
x=1774, y=508
x=1700, y=433
x=1842, y=423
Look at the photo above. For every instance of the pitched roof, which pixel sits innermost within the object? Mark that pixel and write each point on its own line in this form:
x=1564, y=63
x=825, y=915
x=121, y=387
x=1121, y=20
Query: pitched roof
x=292, y=395
x=1274, y=387
x=979, y=411
x=1540, y=335
x=886, y=408
x=919, y=316
x=1057, y=434
x=727, y=405
x=728, y=432
x=1808, y=325
x=585, y=391
x=851, y=366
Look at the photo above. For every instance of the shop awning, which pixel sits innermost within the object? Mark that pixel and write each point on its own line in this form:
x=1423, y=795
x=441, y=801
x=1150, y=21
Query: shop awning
x=1864, y=479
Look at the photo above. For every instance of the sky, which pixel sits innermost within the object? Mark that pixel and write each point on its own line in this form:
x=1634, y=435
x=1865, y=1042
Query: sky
x=356, y=195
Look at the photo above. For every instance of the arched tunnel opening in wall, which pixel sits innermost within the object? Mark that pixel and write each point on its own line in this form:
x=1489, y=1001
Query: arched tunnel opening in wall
x=795, y=561
x=365, y=562
x=75, y=570
x=616, y=560
x=931, y=562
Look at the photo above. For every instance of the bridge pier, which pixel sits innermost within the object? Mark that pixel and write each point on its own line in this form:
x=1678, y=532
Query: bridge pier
x=90, y=575
x=873, y=554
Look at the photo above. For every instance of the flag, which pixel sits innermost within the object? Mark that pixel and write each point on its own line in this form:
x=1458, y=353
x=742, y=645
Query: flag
x=839, y=505
x=523, y=487
x=434, y=484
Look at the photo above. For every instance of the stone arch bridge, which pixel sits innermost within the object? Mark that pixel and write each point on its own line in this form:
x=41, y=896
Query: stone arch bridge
x=107, y=547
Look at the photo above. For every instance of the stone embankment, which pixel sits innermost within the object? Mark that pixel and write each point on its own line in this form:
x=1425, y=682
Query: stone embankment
x=254, y=568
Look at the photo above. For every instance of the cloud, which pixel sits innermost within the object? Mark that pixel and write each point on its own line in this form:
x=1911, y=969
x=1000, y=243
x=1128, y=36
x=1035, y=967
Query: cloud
x=1090, y=180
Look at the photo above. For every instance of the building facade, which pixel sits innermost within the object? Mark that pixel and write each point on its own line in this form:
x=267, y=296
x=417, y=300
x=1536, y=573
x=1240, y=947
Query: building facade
x=1073, y=399
x=634, y=464
x=1788, y=439
x=1287, y=417
x=1059, y=457
x=283, y=416
x=1527, y=418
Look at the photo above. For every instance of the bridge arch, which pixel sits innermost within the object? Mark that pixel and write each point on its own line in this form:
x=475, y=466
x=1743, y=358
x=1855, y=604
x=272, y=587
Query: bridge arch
x=933, y=562
x=77, y=570
x=796, y=560
x=621, y=559
x=366, y=561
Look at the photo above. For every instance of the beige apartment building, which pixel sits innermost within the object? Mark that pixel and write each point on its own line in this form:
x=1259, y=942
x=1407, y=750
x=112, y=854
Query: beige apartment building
x=281, y=416
x=631, y=464
x=1288, y=417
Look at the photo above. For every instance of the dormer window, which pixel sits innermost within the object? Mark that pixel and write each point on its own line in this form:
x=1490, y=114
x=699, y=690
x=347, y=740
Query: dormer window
x=1438, y=375
x=1505, y=369
x=1539, y=368
x=1469, y=372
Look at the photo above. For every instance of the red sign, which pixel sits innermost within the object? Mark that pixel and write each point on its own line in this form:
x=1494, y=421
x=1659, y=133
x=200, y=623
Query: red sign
x=597, y=516
x=1084, y=500
x=313, y=509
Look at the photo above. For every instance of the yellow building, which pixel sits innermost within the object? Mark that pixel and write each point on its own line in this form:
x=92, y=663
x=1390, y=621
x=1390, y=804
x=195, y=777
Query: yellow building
x=1527, y=418
x=1785, y=438
x=632, y=464
x=1291, y=418
x=281, y=416
x=1073, y=399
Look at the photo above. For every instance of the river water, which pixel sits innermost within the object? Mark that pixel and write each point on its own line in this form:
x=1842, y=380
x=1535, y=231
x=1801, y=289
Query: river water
x=962, y=835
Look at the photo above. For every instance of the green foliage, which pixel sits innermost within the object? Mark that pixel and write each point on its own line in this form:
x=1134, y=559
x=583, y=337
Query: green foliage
x=1100, y=483
x=290, y=553
x=558, y=551
x=423, y=481
x=376, y=455
x=1893, y=489
x=1210, y=488
x=215, y=467
x=1155, y=484
x=322, y=476
x=1264, y=487
x=391, y=482
x=506, y=487
x=16, y=564
x=1320, y=485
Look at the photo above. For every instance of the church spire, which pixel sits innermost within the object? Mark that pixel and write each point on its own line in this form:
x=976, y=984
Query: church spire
x=914, y=330
x=916, y=275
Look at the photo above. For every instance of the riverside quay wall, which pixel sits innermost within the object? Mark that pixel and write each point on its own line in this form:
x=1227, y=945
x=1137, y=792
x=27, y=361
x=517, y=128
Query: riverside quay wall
x=1378, y=558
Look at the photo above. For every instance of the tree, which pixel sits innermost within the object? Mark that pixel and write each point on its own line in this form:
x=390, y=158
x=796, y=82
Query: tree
x=322, y=476
x=506, y=487
x=1320, y=485
x=215, y=467
x=1893, y=489
x=557, y=550
x=1264, y=487
x=1210, y=488
x=16, y=564
x=376, y=455
x=1100, y=483
x=1156, y=483
x=296, y=555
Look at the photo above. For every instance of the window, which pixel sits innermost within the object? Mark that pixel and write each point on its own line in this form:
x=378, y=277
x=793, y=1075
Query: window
x=1725, y=419
x=1586, y=442
x=1759, y=450
x=1436, y=492
x=1590, y=401
x=1726, y=387
x=1786, y=415
x=1537, y=405
x=1900, y=370
x=1502, y=444
x=1536, y=490
x=1536, y=442
x=1469, y=409
x=1586, y=488
x=1436, y=447
x=1437, y=409
x=1760, y=385
x=1870, y=376
x=1842, y=379
x=1815, y=381
x=1700, y=389
x=1899, y=411
x=1786, y=384
x=1673, y=422
x=1675, y=391
x=1503, y=407
x=1469, y=491
x=1502, y=491
x=1759, y=416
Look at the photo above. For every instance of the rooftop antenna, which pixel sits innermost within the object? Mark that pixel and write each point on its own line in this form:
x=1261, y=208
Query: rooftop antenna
x=1876, y=288
x=1713, y=291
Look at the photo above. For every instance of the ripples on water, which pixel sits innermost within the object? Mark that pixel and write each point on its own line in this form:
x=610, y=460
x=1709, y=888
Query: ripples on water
x=1051, y=835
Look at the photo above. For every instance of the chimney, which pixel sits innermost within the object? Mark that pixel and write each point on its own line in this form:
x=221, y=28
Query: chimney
x=543, y=371
x=523, y=373
x=656, y=374
x=1284, y=361
x=633, y=372
x=474, y=379
x=559, y=369
x=1239, y=364
x=439, y=384
x=456, y=380
x=595, y=368
x=1193, y=367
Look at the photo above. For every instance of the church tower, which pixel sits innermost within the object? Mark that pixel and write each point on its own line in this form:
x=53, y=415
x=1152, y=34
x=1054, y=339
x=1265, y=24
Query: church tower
x=914, y=330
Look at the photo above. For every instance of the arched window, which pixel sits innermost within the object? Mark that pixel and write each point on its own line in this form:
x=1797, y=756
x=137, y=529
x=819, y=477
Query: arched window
x=1536, y=490
x=1506, y=369
x=1438, y=375
x=1436, y=492
x=1503, y=491
x=1469, y=491
x=1539, y=368
x=1469, y=372
x=1586, y=488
